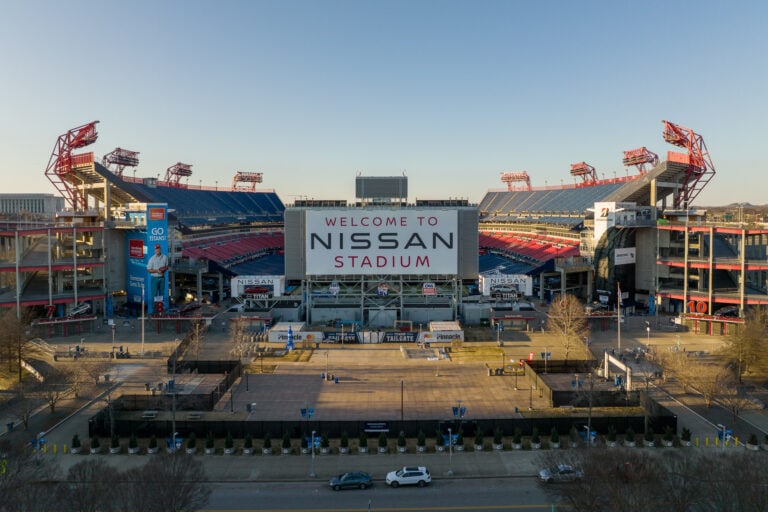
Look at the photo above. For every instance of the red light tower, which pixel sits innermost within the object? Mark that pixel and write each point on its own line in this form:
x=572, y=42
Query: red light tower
x=700, y=169
x=120, y=158
x=516, y=177
x=246, y=177
x=177, y=171
x=639, y=157
x=62, y=164
x=586, y=171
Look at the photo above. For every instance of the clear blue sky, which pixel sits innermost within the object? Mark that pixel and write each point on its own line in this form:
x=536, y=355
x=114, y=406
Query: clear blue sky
x=452, y=93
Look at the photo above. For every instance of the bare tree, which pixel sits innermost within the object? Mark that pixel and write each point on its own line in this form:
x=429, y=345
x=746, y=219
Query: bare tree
x=168, y=483
x=567, y=322
x=94, y=368
x=89, y=487
x=27, y=482
x=745, y=345
x=56, y=385
x=15, y=340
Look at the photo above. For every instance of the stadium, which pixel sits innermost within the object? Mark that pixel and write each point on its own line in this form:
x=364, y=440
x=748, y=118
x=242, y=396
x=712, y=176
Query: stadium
x=383, y=268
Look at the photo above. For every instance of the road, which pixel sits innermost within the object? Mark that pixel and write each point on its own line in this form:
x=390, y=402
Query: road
x=460, y=495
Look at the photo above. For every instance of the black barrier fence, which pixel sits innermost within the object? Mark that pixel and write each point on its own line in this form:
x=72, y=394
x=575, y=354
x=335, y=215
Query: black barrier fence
x=219, y=424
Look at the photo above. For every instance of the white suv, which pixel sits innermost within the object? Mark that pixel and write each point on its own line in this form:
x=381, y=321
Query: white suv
x=409, y=475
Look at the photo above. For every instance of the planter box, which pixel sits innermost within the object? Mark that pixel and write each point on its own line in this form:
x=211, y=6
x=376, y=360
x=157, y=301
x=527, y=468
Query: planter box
x=229, y=451
x=535, y=446
x=478, y=447
x=305, y=451
x=753, y=447
x=517, y=446
x=247, y=451
x=133, y=451
x=191, y=451
x=152, y=451
x=554, y=446
x=266, y=451
x=459, y=447
x=498, y=447
x=440, y=448
x=402, y=449
x=382, y=449
x=95, y=450
x=668, y=444
x=75, y=451
x=630, y=444
x=343, y=449
x=325, y=451
x=650, y=444
x=363, y=449
x=421, y=449
x=286, y=451
x=611, y=444
x=210, y=451
x=114, y=450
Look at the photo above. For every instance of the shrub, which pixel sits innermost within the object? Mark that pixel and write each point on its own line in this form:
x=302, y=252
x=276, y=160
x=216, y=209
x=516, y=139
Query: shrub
x=363, y=440
x=535, y=436
x=574, y=433
x=304, y=442
x=460, y=438
x=75, y=441
x=421, y=439
x=498, y=436
x=629, y=435
x=649, y=435
x=324, y=442
x=517, y=436
x=685, y=434
x=401, y=441
x=286, y=439
x=554, y=435
x=439, y=439
x=192, y=440
x=95, y=443
x=479, y=437
x=669, y=434
x=344, y=440
x=115, y=442
x=267, y=441
x=133, y=442
x=611, y=433
x=228, y=441
x=153, y=442
x=752, y=439
x=248, y=441
x=209, y=440
x=382, y=440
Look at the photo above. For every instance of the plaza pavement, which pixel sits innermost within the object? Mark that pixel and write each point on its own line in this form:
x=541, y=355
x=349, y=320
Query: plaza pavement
x=445, y=384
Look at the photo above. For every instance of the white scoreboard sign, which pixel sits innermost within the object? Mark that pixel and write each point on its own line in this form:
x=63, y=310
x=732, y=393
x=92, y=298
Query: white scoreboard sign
x=341, y=242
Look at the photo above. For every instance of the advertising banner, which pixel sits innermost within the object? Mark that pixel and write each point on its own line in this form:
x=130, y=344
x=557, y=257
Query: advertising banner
x=275, y=283
x=369, y=242
x=147, y=260
x=516, y=282
x=624, y=256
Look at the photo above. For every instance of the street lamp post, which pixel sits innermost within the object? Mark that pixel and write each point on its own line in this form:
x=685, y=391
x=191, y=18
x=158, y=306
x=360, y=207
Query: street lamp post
x=450, y=452
x=312, y=468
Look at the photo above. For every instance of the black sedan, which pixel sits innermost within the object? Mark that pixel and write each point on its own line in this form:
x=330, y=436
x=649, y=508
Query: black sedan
x=351, y=480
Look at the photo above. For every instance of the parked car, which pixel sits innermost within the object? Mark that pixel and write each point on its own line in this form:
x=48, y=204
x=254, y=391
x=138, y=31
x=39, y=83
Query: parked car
x=728, y=311
x=560, y=473
x=81, y=309
x=409, y=475
x=189, y=308
x=257, y=290
x=351, y=480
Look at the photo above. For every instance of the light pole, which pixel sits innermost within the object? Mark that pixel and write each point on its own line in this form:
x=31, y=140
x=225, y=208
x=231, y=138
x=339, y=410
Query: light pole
x=142, y=319
x=450, y=452
x=312, y=470
x=648, y=332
